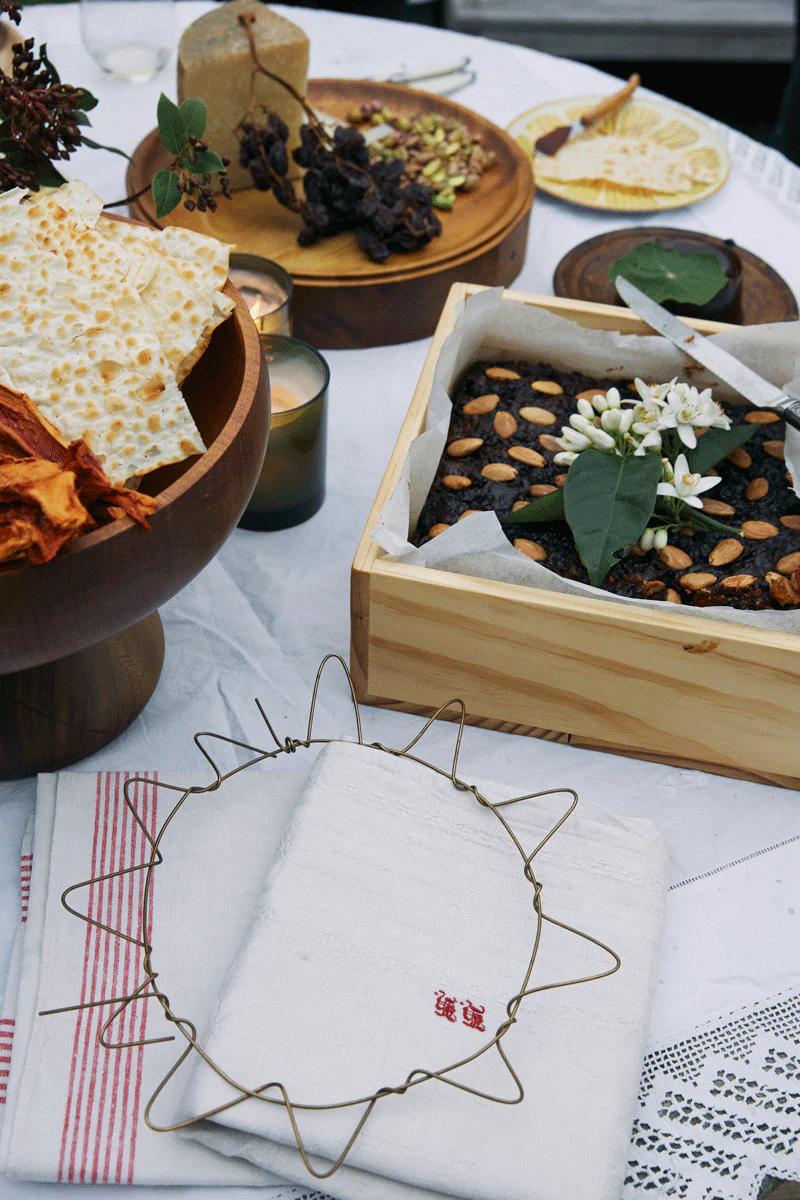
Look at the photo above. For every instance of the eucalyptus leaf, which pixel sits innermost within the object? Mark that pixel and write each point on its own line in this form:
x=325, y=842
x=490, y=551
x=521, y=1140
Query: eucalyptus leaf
x=664, y=274
x=543, y=508
x=80, y=117
x=204, y=162
x=85, y=141
x=195, y=114
x=86, y=100
x=47, y=175
x=166, y=192
x=716, y=444
x=608, y=501
x=171, y=126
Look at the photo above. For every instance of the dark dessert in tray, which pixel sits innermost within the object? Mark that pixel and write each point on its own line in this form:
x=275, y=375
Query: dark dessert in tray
x=500, y=451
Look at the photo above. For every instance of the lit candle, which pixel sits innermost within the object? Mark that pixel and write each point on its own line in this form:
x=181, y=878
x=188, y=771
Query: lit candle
x=266, y=289
x=291, y=487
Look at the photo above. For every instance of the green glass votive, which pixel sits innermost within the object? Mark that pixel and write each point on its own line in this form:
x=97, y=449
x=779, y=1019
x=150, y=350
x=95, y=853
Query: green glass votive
x=291, y=487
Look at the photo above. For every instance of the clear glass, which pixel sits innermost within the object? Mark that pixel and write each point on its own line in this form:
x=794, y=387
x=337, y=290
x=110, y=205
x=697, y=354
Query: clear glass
x=266, y=290
x=291, y=487
x=130, y=39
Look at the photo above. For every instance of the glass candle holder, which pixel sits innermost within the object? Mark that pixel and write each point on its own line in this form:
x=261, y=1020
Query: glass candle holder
x=291, y=487
x=266, y=290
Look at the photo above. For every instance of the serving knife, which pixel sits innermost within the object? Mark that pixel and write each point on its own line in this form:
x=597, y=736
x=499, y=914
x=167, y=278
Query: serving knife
x=754, y=388
x=550, y=143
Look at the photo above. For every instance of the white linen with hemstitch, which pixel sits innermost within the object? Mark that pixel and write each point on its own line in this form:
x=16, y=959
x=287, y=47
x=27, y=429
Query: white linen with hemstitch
x=395, y=891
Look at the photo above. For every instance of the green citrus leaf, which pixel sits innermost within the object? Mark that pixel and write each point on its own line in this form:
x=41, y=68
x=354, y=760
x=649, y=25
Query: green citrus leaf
x=171, y=125
x=194, y=113
x=664, y=274
x=543, y=508
x=608, y=501
x=716, y=444
x=166, y=193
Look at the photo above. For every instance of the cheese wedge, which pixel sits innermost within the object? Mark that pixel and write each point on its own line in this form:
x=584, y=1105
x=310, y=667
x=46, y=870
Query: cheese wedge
x=214, y=63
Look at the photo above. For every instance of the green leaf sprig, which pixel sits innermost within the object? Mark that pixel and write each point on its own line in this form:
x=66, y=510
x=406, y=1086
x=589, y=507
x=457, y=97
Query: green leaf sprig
x=196, y=175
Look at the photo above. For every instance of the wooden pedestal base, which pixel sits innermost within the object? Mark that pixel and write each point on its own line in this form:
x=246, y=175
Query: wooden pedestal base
x=55, y=714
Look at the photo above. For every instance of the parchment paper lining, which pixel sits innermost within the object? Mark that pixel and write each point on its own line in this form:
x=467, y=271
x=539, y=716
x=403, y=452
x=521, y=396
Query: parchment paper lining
x=492, y=326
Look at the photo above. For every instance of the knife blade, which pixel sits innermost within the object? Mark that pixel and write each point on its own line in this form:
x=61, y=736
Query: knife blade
x=753, y=387
x=550, y=143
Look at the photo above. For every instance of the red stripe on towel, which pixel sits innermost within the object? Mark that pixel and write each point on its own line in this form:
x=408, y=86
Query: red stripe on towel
x=151, y=825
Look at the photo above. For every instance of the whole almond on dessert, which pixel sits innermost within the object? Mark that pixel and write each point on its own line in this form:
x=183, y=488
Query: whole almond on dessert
x=524, y=454
x=547, y=387
x=774, y=449
x=789, y=563
x=560, y=479
x=726, y=551
x=758, y=531
x=505, y=425
x=481, y=404
x=673, y=597
x=461, y=447
x=435, y=530
x=759, y=416
x=781, y=590
x=757, y=488
x=531, y=549
x=518, y=504
x=653, y=588
x=499, y=472
x=548, y=442
x=542, y=489
x=674, y=558
x=468, y=512
x=737, y=583
x=456, y=482
x=501, y=373
x=740, y=458
x=718, y=508
x=791, y=520
x=536, y=415
x=695, y=581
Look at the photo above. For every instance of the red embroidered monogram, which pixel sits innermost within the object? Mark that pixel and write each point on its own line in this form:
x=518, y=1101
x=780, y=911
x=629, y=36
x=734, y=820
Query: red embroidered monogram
x=445, y=1006
x=471, y=1014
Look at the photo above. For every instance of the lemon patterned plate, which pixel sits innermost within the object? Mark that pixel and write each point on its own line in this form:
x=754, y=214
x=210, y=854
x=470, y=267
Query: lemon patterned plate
x=666, y=123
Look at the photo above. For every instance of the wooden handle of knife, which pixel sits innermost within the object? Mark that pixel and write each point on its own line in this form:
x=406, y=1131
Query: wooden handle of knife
x=611, y=103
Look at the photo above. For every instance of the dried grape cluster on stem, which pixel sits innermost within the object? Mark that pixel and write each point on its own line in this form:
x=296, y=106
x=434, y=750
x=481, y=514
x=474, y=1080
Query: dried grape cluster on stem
x=343, y=188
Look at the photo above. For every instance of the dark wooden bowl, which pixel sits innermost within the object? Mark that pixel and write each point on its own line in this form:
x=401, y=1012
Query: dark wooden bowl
x=81, y=644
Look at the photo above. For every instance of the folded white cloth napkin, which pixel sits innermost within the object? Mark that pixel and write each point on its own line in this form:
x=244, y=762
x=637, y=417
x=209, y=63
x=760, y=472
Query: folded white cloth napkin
x=395, y=925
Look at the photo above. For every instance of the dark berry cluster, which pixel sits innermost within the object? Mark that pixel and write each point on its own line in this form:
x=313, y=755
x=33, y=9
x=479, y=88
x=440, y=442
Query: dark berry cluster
x=196, y=186
x=12, y=10
x=343, y=187
x=38, y=114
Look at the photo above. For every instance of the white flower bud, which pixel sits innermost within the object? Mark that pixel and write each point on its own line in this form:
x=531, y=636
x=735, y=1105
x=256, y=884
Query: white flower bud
x=647, y=538
x=585, y=409
x=660, y=539
x=610, y=420
x=578, y=422
x=601, y=439
x=612, y=398
x=625, y=419
x=564, y=458
x=600, y=403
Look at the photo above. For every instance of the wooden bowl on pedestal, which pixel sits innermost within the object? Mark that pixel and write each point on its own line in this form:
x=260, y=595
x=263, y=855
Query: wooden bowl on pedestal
x=81, y=642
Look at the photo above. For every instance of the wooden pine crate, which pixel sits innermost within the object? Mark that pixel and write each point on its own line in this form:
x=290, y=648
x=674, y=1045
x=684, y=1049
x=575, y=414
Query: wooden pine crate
x=658, y=684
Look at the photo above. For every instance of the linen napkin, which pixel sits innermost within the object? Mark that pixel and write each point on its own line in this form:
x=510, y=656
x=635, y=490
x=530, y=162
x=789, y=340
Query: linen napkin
x=394, y=927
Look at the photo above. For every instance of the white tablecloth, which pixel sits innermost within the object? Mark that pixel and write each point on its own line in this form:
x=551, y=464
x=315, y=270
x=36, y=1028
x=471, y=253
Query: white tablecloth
x=259, y=618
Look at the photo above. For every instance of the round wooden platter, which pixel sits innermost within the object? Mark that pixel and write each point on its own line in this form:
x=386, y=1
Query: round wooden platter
x=81, y=643
x=582, y=273
x=341, y=298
